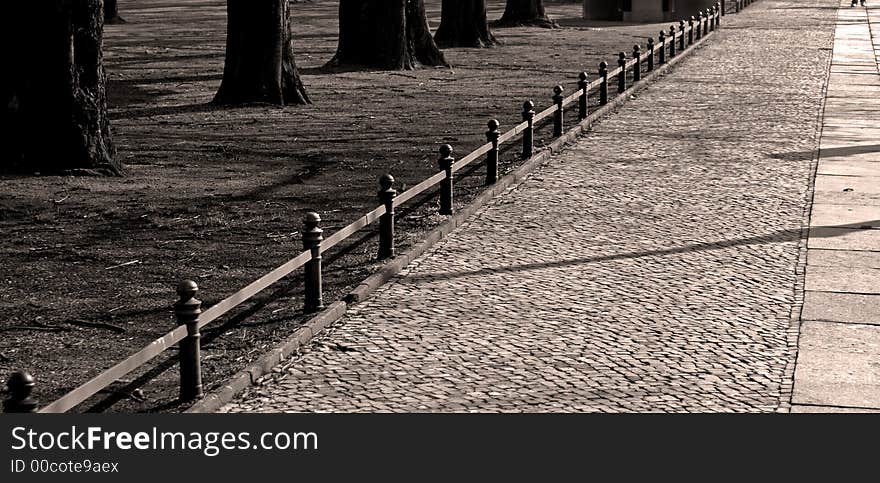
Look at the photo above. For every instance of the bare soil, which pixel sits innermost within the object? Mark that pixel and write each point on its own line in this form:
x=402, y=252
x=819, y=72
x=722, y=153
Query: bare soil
x=88, y=265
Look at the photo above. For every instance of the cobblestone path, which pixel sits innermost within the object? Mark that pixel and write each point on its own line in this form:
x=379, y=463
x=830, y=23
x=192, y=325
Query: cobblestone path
x=653, y=266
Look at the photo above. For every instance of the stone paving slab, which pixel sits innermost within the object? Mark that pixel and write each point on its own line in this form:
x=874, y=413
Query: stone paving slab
x=853, y=215
x=850, y=167
x=829, y=409
x=844, y=239
x=655, y=275
x=858, y=184
x=838, y=365
x=843, y=279
x=842, y=307
x=843, y=258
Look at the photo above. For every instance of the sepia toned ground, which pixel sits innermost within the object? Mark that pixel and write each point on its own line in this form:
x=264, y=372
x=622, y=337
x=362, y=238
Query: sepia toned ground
x=88, y=265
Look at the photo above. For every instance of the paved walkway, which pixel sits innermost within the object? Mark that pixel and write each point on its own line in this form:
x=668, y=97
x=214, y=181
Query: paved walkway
x=655, y=266
x=838, y=366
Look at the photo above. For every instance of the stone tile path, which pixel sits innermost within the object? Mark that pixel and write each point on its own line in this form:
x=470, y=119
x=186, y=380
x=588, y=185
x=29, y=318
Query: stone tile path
x=838, y=366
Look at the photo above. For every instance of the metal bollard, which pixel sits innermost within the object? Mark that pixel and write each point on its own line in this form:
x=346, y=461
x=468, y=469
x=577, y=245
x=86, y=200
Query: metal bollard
x=704, y=17
x=681, y=40
x=722, y=5
x=19, y=387
x=603, y=87
x=698, y=27
x=446, y=160
x=711, y=14
x=637, y=67
x=621, y=77
x=558, y=114
x=662, y=39
x=671, y=41
x=736, y=6
x=387, y=193
x=650, y=65
x=312, y=237
x=492, y=136
x=186, y=311
x=528, y=115
x=691, y=30
x=583, y=85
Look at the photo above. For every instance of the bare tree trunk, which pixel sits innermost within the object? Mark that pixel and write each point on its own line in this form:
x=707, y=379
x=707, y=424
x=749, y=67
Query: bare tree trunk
x=53, y=91
x=385, y=34
x=525, y=13
x=111, y=12
x=259, y=55
x=463, y=24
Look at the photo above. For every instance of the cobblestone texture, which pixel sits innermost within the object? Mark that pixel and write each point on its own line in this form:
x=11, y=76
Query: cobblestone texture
x=651, y=267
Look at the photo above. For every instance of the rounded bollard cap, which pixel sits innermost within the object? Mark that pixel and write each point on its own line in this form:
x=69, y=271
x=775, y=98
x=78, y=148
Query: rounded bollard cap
x=386, y=181
x=187, y=289
x=558, y=90
x=603, y=65
x=528, y=105
x=493, y=124
x=312, y=218
x=445, y=150
x=20, y=382
x=583, y=76
x=636, y=48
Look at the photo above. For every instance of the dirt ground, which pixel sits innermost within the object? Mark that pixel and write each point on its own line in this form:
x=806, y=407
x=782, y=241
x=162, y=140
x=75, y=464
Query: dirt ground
x=88, y=266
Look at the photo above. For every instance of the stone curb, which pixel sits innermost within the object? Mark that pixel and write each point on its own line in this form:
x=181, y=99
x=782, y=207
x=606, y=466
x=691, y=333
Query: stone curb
x=214, y=400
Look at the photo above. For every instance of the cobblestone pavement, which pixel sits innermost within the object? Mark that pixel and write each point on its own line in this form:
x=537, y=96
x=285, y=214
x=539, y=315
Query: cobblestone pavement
x=650, y=267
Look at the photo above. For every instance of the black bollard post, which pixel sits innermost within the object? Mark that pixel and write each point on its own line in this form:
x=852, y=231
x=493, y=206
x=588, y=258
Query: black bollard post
x=583, y=85
x=312, y=236
x=698, y=28
x=621, y=77
x=662, y=53
x=446, y=160
x=19, y=387
x=528, y=115
x=492, y=136
x=603, y=87
x=186, y=311
x=558, y=114
x=671, y=41
x=650, y=65
x=681, y=40
x=691, y=30
x=719, y=10
x=637, y=66
x=386, y=221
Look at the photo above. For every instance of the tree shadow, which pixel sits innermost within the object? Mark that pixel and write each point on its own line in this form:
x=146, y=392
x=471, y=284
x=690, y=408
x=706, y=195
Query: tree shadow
x=165, y=111
x=775, y=237
x=828, y=152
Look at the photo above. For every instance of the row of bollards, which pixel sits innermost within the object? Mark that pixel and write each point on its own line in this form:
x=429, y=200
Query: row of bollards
x=188, y=308
x=741, y=4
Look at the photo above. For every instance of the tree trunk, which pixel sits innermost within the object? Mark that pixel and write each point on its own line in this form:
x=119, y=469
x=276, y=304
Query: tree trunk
x=53, y=93
x=525, y=13
x=259, y=55
x=385, y=34
x=463, y=24
x=111, y=12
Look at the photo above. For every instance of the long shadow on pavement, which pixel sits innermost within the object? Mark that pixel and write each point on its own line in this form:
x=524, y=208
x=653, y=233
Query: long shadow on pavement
x=775, y=237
